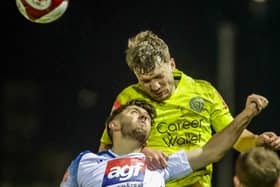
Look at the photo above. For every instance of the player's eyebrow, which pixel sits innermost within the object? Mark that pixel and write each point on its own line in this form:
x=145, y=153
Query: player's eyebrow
x=137, y=108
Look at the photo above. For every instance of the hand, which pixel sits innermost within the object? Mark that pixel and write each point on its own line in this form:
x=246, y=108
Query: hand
x=155, y=159
x=257, y=101
x=268, y=139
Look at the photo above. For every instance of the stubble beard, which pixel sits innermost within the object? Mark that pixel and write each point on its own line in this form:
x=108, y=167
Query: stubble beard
x=138, y=134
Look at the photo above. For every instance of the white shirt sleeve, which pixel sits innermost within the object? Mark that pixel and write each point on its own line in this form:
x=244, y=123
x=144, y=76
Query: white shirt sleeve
x=178, y=166
x=70, y=178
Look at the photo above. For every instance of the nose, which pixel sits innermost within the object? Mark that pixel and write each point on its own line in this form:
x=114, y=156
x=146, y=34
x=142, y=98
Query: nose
x=143, y=117
x=155, y=85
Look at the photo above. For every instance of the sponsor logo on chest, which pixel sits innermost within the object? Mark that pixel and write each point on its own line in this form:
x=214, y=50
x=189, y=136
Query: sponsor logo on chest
x=129, y=171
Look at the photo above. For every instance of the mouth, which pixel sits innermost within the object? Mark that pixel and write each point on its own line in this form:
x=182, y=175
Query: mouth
x=161, y=94
x=143, y=123
x=158, y=94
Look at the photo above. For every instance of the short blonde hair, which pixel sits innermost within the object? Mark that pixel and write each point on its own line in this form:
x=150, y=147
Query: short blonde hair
x=145, y=50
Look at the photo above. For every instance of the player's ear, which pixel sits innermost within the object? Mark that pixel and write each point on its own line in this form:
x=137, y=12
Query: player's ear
x=114, y=125
x=236, y=181
x=172, y=63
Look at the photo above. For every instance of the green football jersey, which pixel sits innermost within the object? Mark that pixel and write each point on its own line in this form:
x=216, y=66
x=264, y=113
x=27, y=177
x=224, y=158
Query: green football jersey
x=185, y=120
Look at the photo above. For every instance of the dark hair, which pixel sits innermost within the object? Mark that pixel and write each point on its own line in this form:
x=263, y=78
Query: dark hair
x=140, y=103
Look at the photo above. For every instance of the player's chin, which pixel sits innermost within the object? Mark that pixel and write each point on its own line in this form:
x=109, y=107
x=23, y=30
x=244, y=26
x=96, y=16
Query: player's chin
x=142, y=131
x=161, y=97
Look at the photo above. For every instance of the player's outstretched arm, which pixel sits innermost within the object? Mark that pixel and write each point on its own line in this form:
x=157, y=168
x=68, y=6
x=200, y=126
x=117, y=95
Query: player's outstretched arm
x=222, y=141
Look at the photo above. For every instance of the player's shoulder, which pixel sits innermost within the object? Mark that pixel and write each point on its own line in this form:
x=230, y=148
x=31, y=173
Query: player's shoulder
x=130, y=88
x=132, y=91
x=70, y=176
x=80, y=155
x=204, y=83
x=199, y=83
x=88, y=155
x=106, y=154
x=201, y=87
x=178, y=74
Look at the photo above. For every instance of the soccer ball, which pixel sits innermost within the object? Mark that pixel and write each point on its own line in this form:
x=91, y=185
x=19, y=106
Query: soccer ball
x=42, y=11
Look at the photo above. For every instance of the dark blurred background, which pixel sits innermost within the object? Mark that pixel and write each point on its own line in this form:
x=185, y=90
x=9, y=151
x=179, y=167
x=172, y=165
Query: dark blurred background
x=59, y=80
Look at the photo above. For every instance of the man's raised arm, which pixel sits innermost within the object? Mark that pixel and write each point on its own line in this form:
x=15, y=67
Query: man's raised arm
x=222, y=141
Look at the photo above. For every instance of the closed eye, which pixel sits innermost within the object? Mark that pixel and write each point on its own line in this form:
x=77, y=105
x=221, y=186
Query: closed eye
x=134, y=112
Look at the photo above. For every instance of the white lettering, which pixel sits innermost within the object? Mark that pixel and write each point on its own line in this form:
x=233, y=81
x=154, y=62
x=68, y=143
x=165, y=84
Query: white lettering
x=125, y=172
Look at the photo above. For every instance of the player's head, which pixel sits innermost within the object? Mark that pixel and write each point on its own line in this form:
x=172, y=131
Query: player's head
x=257, y=167
x=133, y=120
x=148, y=57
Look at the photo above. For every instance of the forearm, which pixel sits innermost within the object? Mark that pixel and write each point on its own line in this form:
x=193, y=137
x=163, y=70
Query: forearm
x=229, y=135
x=221, y=141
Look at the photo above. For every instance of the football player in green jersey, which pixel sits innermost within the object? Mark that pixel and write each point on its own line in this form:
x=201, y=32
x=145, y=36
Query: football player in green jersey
x=189, y=110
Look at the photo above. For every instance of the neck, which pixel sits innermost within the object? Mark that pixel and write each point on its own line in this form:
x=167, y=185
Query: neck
x=126, y=146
